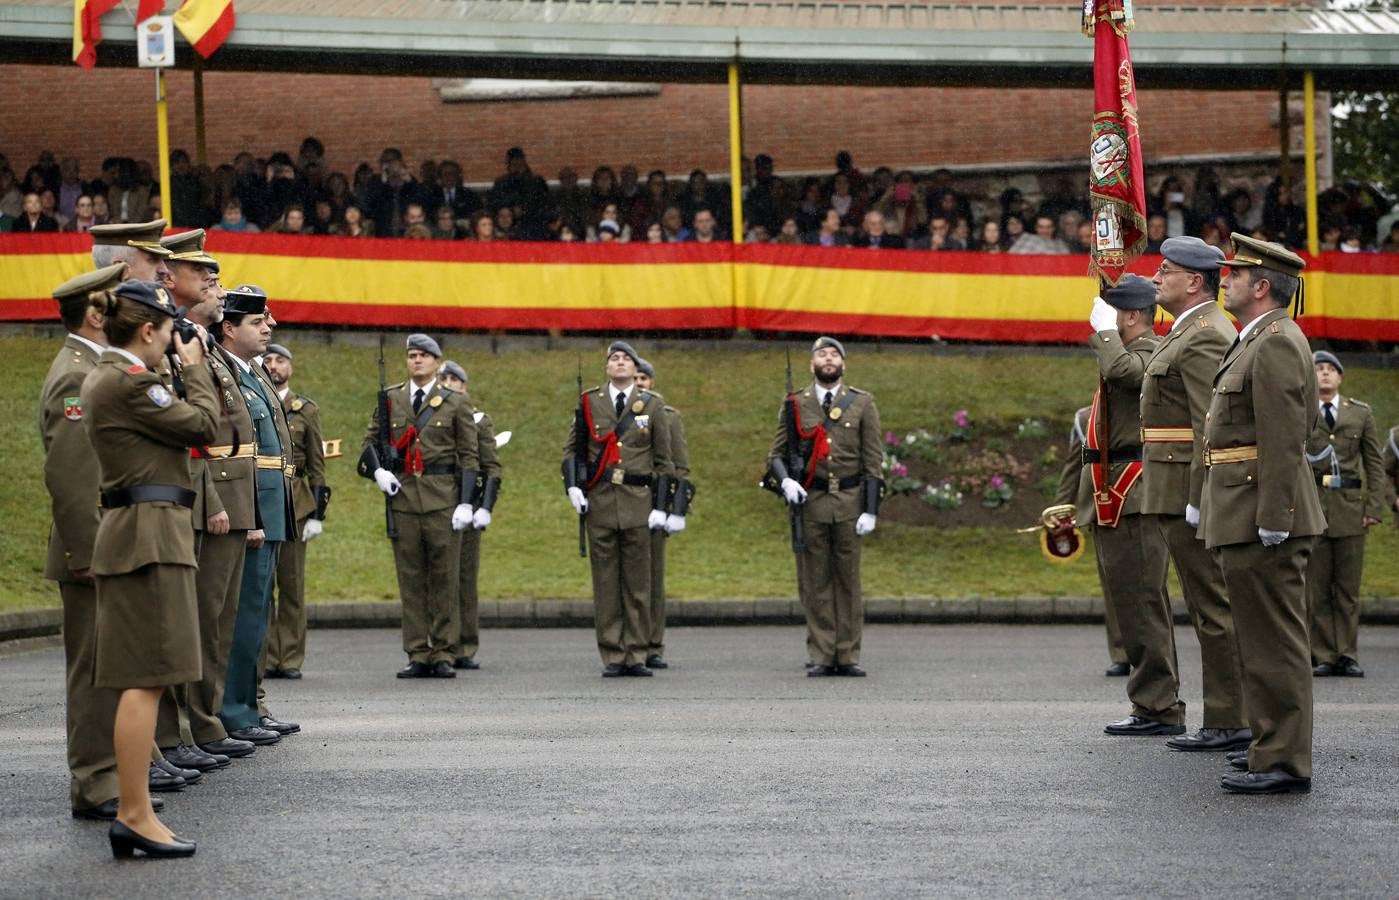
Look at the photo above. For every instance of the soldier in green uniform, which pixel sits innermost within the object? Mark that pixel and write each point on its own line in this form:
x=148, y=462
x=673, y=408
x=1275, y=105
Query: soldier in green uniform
x=617, y=471
x=244, y=335
x=136, y=244
x=1261, y=513
x=1175, y=398
x=1076, y=490
x=839, y=494
x=1130, y=548
x=143, y=554
x=1390, y=457
x=682, y=491
x=286, y=630
x=1344, y=451
x=432, y=486
x=453, y=377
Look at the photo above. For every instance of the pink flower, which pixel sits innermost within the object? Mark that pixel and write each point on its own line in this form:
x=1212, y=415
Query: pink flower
x=961, y=419
x=899, y=471
x=997, y=482
x=891, y=439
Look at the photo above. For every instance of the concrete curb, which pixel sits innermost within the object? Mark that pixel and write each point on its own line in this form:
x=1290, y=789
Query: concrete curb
x=767, y=611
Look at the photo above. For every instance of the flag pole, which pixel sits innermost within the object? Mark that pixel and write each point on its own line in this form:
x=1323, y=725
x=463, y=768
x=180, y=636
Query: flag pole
x=162, y=132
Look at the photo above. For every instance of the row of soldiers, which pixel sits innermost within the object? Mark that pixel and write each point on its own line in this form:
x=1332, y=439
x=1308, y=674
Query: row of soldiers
x=1233, y=455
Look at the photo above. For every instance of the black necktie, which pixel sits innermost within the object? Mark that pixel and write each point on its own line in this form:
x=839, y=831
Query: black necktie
x=621, y=402
x=1330, y=416
x=418, y=400
x=826, y=403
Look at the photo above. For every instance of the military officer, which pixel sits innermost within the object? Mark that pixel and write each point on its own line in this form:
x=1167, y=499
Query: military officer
x=432, y=484
x=244, y=335
x=1261, y=513
x=1076, y=490
x=1343, y=447
x=286, y=631
x=839, y=494
x=1175, y=398
x=617, y=471
x=136, y=244
x=468, y=606
x=682, y=491
x=1390, y=456
x=1130, y=548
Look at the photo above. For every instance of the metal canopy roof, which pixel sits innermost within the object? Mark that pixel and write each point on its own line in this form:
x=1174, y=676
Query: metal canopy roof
x=777, y=41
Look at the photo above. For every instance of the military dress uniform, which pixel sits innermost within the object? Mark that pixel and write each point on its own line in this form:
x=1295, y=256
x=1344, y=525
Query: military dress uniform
x=1175, y=397
x=468, y=599
x=1344, y=453
x=678, y=504
x=72, y=477
x=1390, y=459
x=1130, y=548
x=1257, y=479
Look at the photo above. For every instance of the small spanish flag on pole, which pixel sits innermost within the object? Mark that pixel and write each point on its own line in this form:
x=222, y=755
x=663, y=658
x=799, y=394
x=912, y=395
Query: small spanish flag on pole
x=205, y=23
x=87, y=29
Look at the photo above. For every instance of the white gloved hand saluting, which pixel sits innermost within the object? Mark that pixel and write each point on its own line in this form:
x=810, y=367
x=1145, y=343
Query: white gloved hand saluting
x=461, y=517
x=1192, y=516
x=387, y=483
x=480, y=519
x=865, y=524
x=1103, y=317
x=312, y=530
x=580, y=503
x=674, y=524
x=1272, y=538
x=794, y=492
x=656, y=520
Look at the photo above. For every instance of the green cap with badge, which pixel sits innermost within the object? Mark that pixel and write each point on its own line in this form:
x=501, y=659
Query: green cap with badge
x=1251, y=253
x=188, y=246
x=145, y=235
x=73, y=294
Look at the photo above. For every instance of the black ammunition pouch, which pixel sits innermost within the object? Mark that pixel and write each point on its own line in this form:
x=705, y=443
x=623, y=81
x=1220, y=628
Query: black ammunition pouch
x=681, y=494
x=873, y=495
x=490, y=490
x=368, y=463
x=322, y=495
x=468, y=486
x=660, y=492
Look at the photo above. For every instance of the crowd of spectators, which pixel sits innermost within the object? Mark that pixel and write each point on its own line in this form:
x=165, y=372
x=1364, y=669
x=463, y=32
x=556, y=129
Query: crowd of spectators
x=882, y=209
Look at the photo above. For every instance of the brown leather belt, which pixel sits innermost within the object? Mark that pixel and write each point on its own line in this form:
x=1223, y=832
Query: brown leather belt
x=1231, y=455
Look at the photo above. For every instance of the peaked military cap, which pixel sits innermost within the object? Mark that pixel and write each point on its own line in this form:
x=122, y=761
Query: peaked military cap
x=1192, y=253
x=454, y=369
x=1326, y=356
x=1251, y=252
x=245, y=300
x=145, y=235
x=188, y=246
x=645, y=368
x=74, y=292
x=277, y=349
x=1132, y=292
x=149, y=293
x=824, y=341
x=626, y=348
x=424, y=343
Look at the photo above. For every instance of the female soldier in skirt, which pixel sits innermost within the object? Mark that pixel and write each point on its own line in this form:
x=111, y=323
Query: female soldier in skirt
x=143, y=559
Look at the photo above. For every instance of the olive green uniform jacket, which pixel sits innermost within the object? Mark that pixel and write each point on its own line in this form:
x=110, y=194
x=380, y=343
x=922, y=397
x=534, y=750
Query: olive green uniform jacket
x=645, y=450
x=447, y=435
x=303, y=418
x=1355, y=448
x=223, y=482
x=857, y=449
x=1121, y=369
x=70, y=464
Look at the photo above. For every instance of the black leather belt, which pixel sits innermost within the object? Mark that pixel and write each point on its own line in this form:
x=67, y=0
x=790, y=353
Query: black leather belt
x=1120, y=455
x=831, y=485
x=1337, y=482
x=148, y=493
x=614, y=475
x=439, y=469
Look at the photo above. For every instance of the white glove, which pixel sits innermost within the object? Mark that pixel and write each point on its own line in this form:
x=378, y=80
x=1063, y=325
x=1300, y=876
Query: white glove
x=312, y=530
x=1192, y=516
x=865, y=524
x=580, y=503
x=674, y=523
x=656, y=520
x=461, y=517
x=794, y=492
x=1103, y=317
x=1272, y=538
x=387, y=483
x=480, y=519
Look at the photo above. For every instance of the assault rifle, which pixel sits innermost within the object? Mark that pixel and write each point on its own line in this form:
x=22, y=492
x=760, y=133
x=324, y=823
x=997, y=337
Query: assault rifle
x=792, y=464
x=582, y=437
x=381, y=454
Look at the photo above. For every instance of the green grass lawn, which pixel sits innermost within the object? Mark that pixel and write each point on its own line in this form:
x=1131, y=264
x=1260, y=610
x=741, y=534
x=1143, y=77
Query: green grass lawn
x=736, y=542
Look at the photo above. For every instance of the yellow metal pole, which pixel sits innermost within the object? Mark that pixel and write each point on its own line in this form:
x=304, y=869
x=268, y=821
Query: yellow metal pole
x=1309, y=133
x=162, y=133
x=736, y=150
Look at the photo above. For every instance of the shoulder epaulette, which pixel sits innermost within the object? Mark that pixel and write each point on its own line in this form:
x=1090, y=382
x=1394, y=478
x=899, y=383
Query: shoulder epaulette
x=1358, y=402
x=394, y=387
x=1204, y=322
x=670, y=409
x=305, y=399
x=1275, y=328
x=855, y=390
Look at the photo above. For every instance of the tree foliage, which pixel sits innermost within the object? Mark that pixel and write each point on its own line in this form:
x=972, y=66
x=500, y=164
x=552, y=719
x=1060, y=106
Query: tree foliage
x=1365, y=137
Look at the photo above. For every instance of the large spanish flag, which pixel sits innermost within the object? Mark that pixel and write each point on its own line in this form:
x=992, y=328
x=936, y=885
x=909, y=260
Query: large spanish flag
x=87, y=29
x=205, y=23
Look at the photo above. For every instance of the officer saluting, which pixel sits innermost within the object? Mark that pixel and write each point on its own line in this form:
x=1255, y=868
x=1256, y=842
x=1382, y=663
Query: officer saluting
x=1261, y=512
x=839, y=493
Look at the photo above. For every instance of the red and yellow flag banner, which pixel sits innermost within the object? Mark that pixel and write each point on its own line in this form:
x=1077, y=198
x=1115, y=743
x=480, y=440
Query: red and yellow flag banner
x=87, y=29
x=205, y=23
x=1117, y=184
x=328, y=282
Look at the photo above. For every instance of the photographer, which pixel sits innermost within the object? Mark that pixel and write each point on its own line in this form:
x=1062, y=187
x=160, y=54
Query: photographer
x=143, y=558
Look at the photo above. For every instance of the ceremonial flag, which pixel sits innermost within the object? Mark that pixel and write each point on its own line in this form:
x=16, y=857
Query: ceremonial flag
x=205, y=23
x=87, y=29
x=148, y=8
x=1116, y=183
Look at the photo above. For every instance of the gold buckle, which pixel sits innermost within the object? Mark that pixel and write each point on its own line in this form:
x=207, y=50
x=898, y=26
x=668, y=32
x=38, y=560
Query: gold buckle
x=618, y=475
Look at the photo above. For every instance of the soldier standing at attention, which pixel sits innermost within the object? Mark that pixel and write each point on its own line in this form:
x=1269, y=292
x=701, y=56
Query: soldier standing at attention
x=839, y=494
x=1175, y=398
x=1261, y=513
x=1390, y=456
x=1342, y=447
x=286, y=630
x=1130, y=548
x=617, y=471
x=137, y=244
x=682, y=491
x=435, y=434
x=488, y=489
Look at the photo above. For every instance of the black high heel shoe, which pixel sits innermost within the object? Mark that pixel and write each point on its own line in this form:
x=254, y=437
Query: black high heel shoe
x=126, y=842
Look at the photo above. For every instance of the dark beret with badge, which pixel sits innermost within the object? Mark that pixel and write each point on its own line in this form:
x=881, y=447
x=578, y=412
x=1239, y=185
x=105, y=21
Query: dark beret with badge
x=454, y=369
x=145, y=235
x=823, y=342
x=1132, y=292
x=645, y=368
x=425, y=344
x=278, y=349
x=147, y=293
x=1192, y=253
x=623, y=347
x=1326, y=356
x=72, y=295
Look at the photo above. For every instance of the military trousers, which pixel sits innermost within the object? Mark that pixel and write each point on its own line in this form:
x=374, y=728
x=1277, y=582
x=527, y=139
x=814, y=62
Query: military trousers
x=427, y=556
x=91, y=711
x=286, y=614
x=621, y=559
x=1208, y=602
x=1134, y=561
x=1333, y=597
x=468, y=601
x=240, y=703
x=1116, y=653
x=655, y=643
x=834, y=604
x=1267, y=591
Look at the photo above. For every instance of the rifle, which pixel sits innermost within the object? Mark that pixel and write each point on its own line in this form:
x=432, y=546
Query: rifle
x=791, y=465
x=581, y=438
x=383, y=442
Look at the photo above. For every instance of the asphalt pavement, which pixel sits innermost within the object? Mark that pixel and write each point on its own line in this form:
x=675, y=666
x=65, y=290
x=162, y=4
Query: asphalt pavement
x=971, y=763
